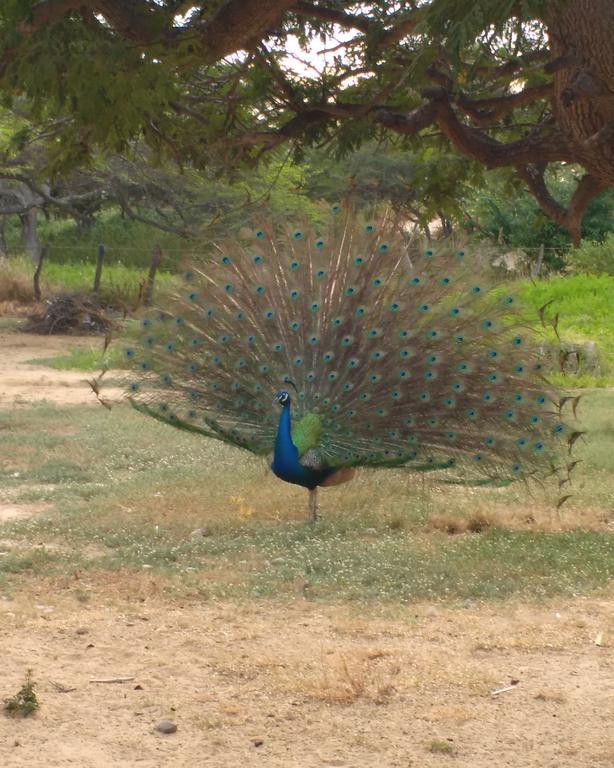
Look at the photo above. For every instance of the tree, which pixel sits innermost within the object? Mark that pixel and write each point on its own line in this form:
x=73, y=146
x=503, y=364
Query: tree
x=511, y=84
x=503, y=210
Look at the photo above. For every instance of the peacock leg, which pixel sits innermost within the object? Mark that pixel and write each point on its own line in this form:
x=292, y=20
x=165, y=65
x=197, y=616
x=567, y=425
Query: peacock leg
x=313, y=506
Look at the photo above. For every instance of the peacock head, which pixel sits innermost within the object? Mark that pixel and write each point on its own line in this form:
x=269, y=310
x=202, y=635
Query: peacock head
x=283, y=398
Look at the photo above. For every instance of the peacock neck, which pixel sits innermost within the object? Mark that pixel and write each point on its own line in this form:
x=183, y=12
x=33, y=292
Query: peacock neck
x=284, y=447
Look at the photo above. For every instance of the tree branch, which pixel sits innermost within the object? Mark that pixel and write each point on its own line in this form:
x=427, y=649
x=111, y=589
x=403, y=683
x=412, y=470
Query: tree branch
x=569, y=218
x=512, y=66
x=240, y=25
x=471, y=141
x=485, y=111
x=346, y=20
x=235, y=25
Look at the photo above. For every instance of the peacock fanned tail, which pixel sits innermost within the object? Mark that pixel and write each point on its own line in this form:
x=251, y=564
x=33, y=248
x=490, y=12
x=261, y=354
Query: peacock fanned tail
x=392, y=358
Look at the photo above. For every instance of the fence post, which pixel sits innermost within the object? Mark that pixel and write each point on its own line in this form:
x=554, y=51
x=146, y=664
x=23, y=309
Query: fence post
x=102, y=250
x=156, y=258
x=37, y=272
x=537, y=267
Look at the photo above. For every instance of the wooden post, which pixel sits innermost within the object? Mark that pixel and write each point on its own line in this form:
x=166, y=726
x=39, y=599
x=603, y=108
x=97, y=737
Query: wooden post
x=102, y=250
x=37, y=273
x=156, y=258
x=537, y=267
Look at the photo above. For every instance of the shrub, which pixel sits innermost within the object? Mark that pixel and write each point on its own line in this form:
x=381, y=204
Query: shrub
x=593, y=256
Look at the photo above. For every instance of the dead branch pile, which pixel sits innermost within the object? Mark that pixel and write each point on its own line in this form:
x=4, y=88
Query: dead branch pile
x=71, y=313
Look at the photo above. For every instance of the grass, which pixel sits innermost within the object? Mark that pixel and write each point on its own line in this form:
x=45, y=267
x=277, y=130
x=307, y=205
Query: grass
x=89, y=359
x=442, y=747
x=120, y=284
x=128, y=242
x=584, y=305
x=24, y=703
x=127, y=493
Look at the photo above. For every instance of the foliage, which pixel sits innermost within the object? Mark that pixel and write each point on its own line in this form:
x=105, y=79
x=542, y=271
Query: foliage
x=24, y=702
x=593, y=256
x=225, y=84
x=425, y=185
x=503, y=210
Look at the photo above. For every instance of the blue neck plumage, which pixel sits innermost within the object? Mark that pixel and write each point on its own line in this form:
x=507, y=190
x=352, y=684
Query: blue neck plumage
x=286, y=461
x=285, y=450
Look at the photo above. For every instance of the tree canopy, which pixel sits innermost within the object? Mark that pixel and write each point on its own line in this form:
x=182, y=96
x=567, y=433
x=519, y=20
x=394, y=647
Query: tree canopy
x=518, y=84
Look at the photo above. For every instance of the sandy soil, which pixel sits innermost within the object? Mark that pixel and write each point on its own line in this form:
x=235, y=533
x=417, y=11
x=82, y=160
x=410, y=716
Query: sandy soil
x=22, y=383
x=302, y=684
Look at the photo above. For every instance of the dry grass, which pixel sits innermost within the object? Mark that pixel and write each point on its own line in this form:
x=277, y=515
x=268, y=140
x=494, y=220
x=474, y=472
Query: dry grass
x=555, y=697
x=15, y=282
x=344, y=678
x=476, y=522
x=442, y=747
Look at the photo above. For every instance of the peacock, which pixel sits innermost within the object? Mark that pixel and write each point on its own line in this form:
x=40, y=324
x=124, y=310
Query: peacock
x=342, y=346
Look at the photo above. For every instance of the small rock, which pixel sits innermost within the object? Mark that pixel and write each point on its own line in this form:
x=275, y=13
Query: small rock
x=81, y=631
x=257, y=742
x=278, y=561
x=200, y=533
x=166, y=726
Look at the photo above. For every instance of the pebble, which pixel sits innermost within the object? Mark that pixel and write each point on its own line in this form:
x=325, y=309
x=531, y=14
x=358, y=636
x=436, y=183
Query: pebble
x=166, y=726
x=278, y=561
x=201, y=533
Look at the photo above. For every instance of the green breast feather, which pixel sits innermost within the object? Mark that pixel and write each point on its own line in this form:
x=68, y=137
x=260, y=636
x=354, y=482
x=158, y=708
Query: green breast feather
x=306, y=433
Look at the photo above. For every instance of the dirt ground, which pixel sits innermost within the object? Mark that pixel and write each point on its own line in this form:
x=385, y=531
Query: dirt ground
x=22, y=383
x=303, y=684
x=290, y=685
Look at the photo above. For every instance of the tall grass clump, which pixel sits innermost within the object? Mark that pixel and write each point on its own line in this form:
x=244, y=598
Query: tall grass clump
x=16, y=280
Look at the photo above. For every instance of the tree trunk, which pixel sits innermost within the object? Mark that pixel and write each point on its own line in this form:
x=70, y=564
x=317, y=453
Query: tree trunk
x=582, y=41
x=29, y=234
x=4, y=251
x=37, y=274
x=99, y=264
x=156, y=258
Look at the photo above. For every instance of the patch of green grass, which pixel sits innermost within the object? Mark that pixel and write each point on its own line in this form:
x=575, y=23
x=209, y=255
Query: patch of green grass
x=442, y=747
x=9, y=323
x=89, y=359
x=24, y=703
x=128, y=242
x=120, y=284
x=135, y=489
x=584, y=305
